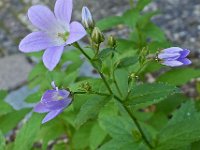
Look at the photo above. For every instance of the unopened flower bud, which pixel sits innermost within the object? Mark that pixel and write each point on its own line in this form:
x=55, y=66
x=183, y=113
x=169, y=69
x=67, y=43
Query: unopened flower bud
x=97, y=36
x=112, y=42
x=87, y=19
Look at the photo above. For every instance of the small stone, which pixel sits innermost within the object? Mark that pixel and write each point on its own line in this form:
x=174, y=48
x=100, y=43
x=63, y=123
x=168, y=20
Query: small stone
x=14, y=71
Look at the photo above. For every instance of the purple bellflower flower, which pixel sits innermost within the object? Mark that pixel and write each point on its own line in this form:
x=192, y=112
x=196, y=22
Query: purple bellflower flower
x=174, y=57
x=55, y=31
x=53, y=102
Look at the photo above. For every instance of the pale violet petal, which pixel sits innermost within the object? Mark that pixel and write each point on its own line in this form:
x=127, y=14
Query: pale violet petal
x=35, y=41
x=172, y=63
x=42, y=17
x=40, y=108
x=63, y=10
x=172, y=50
x=51, y=115
x=77, y=32
x=51, y=57
x=171, y=56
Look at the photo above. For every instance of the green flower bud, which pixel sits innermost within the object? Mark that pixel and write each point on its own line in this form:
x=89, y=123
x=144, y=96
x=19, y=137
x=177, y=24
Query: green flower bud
x=97, y=36
x=112, y=42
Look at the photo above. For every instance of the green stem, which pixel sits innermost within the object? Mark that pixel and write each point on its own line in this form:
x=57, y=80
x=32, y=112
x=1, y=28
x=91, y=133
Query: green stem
x=100, y=73
x=136, y=122
x=117, y=98
x=82, y=51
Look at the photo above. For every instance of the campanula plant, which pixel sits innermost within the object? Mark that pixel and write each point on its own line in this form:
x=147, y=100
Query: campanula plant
x=117, y=106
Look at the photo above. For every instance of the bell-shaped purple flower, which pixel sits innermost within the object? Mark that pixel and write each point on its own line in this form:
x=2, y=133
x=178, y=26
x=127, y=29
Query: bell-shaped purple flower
x=174, y=57
x=53, y=102
x=55, y=31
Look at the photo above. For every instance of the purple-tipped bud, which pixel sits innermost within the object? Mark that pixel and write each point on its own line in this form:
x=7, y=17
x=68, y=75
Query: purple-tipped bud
x=97, y=36
x=87, y=19
x=174, y=57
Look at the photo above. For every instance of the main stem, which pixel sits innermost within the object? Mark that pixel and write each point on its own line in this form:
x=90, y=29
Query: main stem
x=117, y=98
x=100, y=73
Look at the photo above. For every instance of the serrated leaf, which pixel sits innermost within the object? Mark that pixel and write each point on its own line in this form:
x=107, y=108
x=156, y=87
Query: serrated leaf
x=179, y=76
x=148, y=94
x=181, y=130
x=27, y=134
x=90, y=109
x=109, y=22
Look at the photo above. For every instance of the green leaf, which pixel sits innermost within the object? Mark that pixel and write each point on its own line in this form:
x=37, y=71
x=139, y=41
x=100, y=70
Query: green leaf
x=119, y=128
x=131, y=17
x=148, y=94
x=128, y=61
x=109, y=22
x=170, y=104
x=2, y=141
x=154, y=33
x=27, y=134
x=90, y=109
x=47, y=132
x=60, y=146
x=80, y=139
x=120, y=145
x=181, y=130
x=4, y=107
x=141, y=4
x=97, y=136
x=179, y=76
x=106, y=52
x=10, y=120
x=33, y=98
x=121, y=76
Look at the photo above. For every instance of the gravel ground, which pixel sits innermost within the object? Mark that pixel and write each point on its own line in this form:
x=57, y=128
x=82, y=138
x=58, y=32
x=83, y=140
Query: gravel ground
x=179, y=18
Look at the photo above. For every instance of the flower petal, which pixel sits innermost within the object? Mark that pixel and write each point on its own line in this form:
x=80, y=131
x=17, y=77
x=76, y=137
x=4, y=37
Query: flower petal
x=59, y=104
x=54, y=95
x=173, y=50
x=185, y=61
x=52, y=57
x=51, y=115
x=184, y=53
x=77, y=32
x=35, y=41
x=40, y=108
x=42, y=17
x=169, y=56
x=63, y=10
x=172, y=63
